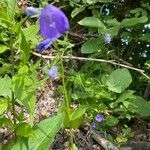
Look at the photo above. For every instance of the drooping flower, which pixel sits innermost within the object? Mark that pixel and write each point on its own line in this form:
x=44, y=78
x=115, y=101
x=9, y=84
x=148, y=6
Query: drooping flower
x=107, y=38
x=53, y=23
x=31, y=11
x=94, y=125
x=45, y=44
x=53, y=72
x=99, y=118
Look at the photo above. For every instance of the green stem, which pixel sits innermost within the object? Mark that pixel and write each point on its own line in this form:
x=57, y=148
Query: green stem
x=12, y=73
x=66, y=102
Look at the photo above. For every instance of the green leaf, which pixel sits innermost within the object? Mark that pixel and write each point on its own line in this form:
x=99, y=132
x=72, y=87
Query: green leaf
x=79, y=112
x=125, y=95
x=133, y=21
x=104, y=1
x=112, y=22
x=111, y=121
x=11, y=8
x=25, y=49
x=145, y=37
x=113, y=31
x=139, y=105
x=76, y=11
x=4, y=103
x=119, y=80
x=31, y=32
x=24, y=130
x=92, y=22
x=4, y=122
x=44, y=133
x=75, y=147
x=6, y=86
x=3, y=48
x=77, y=116
x=92, y=45
x=24, y=90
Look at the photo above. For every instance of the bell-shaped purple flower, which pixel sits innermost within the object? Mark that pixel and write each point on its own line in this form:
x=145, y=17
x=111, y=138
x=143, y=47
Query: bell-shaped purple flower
x=45, y=44
x=53, y=72
x=31, y=11
x=99, y=118
x=53, y=22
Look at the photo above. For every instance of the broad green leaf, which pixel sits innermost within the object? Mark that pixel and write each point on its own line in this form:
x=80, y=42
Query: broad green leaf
x=76, y=11
x=44, y=133
x=119, y=80
x=125, y=95
x=92, y=22
x=76, y=123
x=5, y=86
x=139, y=106
x=4, y=103
x=111, y=121
x=133, y=21
x=77, y=116
x=3, y=48
x=92, y=45
x=112, y=22
x=78, y=113
x=24, y=130
x=21, y=144
x=113, y=31
x=4, y=122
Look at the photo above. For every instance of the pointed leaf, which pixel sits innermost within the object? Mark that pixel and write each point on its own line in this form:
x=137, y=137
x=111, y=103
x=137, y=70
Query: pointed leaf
x=133, y=21
x=45, y=132
x=92, y=22
x=5, y=86
x=92, y=45
x=4, y=103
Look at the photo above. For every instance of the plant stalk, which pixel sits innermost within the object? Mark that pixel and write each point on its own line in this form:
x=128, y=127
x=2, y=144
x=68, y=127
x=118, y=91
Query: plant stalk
x=12, y=74
x=67, y=102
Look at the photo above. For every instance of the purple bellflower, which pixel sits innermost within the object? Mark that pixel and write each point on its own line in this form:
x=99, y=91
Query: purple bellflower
x=107, y=38
x=44, y=45
x=99, y=118
x=53, y=23
x=31, y=11
x=94, y=125
x=53, y=72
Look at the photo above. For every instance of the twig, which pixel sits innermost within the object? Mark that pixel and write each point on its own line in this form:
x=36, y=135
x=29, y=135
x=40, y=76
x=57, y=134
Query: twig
x=93, y=59
x=106, y=144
